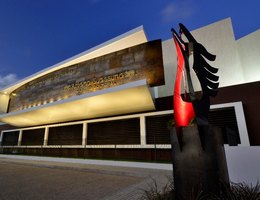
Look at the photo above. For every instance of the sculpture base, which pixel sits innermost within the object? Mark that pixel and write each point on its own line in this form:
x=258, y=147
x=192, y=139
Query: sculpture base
x=199, y=162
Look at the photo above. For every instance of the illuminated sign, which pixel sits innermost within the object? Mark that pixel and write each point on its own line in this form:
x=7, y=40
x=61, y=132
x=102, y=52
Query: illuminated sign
x=101, y=83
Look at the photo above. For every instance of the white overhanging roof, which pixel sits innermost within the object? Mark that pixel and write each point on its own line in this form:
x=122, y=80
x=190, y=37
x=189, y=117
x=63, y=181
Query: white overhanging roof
x=128, y=98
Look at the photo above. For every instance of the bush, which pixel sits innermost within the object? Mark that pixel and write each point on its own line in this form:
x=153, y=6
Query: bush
x=240, y=191
x=154, y=193
x=235, y=191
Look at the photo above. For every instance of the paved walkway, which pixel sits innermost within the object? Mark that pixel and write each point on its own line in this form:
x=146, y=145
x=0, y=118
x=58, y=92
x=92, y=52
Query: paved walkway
x=28, y=178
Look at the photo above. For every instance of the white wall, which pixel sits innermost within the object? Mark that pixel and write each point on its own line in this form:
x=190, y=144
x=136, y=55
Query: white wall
x=218, y=38
x=243, y=163
x=170, y=64
x=249, y=52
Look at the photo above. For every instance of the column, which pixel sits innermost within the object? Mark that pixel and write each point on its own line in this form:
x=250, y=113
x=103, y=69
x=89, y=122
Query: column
x=46, y=136
x=1, y=138
x=20, y=138
x=142, y=131
x=242, y=129
x=84, y=134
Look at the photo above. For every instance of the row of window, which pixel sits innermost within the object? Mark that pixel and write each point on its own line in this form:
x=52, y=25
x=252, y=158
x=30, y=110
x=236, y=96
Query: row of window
x=124, y=132
x=120, y=132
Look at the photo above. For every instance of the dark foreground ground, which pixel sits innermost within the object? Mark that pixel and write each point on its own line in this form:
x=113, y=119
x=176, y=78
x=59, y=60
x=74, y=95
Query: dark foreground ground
x=43, y=180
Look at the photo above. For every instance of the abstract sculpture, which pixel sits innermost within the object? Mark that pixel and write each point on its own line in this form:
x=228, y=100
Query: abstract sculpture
x=189, y=106
x=198, y=154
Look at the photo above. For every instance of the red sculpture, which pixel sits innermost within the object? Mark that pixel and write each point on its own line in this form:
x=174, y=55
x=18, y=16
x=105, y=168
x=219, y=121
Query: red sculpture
x=189, y=107
x=183, y=110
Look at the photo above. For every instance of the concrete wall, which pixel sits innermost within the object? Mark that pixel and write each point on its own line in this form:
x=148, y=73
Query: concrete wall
x=170, y=66
x=243, y=163
x=249, y=52
x=218, y=38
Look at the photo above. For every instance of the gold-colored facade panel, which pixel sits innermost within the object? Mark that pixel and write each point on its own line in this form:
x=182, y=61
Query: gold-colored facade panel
x=139, y=62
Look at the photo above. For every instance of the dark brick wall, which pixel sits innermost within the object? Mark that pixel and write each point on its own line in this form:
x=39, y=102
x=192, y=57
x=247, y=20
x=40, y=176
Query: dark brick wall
x=160, y=155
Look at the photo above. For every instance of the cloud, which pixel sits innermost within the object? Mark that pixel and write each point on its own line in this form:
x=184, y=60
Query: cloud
x=7, y=80
x=176, y=11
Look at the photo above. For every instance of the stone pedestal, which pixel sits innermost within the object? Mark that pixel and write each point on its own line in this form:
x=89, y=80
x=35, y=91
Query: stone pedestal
x=199, y=162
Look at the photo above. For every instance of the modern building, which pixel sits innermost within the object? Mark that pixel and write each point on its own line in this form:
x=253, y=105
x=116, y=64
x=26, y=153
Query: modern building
x=115, y=100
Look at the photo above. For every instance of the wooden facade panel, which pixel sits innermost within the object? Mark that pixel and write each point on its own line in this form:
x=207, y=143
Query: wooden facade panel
x=157, y=131
x=125, y=131
x=225, y=118
x=10, y=138
x=33, y=137
x=65, y=135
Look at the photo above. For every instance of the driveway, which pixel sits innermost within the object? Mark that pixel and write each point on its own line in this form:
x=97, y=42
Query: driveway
x=31, y=180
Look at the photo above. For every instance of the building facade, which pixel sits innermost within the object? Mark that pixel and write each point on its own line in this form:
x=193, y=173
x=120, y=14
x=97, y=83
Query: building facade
x=114, y=101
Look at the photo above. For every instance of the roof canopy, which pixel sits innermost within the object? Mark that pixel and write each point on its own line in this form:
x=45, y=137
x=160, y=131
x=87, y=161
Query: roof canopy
x=128, y=98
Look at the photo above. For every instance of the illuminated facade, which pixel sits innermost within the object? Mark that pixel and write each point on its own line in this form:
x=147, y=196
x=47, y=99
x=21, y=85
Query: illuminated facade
x=118, y=95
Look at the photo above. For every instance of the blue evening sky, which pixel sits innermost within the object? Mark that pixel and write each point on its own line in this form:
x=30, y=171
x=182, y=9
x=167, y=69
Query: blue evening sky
x=35, y=34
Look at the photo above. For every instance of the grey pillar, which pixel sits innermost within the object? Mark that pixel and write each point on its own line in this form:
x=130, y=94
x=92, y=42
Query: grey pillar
x=84, y=134
x=1, y=138
x=46, y=136
x=20, y=138
x=142, y=131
